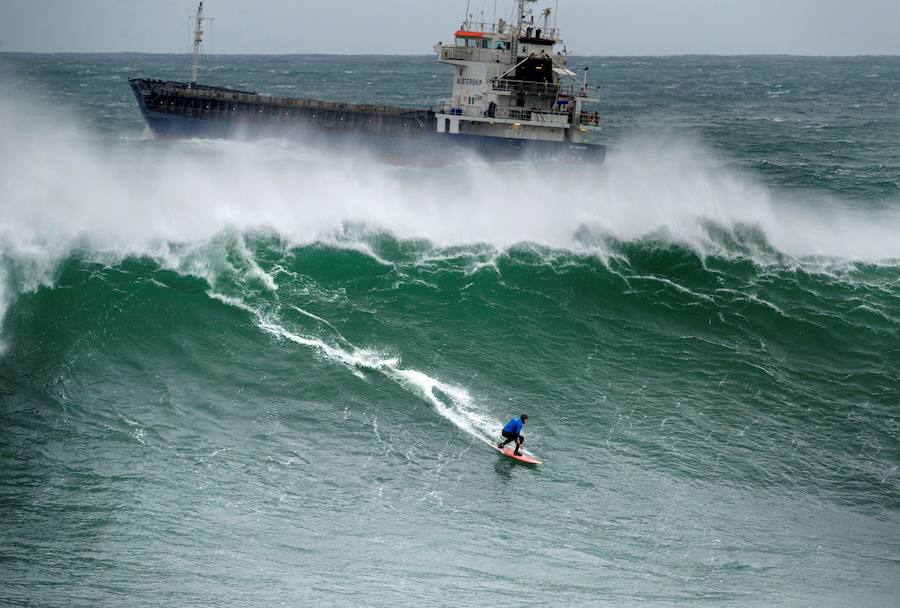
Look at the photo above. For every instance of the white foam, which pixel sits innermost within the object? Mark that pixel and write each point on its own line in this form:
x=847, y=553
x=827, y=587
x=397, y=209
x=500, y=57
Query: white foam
x=672, y=284
x=64, y=192
x=319, y=319
x=452, y=402
x=60, y=188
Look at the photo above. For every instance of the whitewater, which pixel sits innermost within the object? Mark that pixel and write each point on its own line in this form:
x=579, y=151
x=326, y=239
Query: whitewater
x=254, y=373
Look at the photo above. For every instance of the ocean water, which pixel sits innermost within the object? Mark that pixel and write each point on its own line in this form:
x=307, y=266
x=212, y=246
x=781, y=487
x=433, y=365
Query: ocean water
x=254, y=374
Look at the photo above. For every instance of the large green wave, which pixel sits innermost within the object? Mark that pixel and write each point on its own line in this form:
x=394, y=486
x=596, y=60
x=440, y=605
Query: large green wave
x=703, y=367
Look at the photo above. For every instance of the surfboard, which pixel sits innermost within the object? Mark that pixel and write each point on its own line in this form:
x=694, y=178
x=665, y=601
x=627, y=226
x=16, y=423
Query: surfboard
x=509, y=453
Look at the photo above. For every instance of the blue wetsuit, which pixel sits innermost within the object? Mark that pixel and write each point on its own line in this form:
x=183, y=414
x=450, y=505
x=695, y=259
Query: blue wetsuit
x=513, y=428
x=513, y=432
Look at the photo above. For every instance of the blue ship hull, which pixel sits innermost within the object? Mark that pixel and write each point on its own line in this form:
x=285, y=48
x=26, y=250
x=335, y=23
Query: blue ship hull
x=408, y=136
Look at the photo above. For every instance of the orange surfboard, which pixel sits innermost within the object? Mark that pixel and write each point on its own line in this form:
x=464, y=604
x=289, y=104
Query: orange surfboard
x=509, y=453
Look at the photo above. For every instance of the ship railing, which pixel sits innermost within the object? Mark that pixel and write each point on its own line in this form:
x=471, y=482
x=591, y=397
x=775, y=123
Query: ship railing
x=446, y=107
x=542, y=117
x=589, y=119
x=508, y=29
x=533, y=116
x=459, y=53
x=227, y=95
x=535, y=88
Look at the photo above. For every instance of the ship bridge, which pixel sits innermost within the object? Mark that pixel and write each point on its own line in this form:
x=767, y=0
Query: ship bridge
x=510, y=81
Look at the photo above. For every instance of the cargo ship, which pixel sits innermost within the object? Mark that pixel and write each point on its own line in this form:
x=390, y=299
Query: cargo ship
x=514, y=98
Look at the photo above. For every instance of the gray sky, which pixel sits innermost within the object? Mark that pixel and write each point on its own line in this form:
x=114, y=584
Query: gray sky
x=590, y=27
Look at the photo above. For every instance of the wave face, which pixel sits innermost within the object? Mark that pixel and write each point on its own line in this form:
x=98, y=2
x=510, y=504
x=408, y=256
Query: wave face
x=250, y=373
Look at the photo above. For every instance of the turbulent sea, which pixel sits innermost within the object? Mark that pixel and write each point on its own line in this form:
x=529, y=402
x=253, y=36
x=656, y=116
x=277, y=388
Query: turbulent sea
x=254, y=374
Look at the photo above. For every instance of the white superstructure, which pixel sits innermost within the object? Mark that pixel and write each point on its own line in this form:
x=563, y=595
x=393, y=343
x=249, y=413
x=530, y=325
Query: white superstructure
x=510, y=81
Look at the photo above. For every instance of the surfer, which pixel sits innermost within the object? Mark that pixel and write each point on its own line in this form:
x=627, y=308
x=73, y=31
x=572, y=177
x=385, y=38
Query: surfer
x=513, y=432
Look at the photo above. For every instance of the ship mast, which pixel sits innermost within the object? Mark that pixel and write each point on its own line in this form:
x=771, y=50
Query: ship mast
x=198, y=38
x=521, y=18
x=517, y=33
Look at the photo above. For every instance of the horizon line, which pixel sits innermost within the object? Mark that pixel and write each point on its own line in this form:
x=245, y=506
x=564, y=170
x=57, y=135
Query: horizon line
x=321, y=54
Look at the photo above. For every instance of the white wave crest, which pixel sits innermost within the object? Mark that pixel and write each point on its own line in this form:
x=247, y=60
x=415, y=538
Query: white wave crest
x=62, y=190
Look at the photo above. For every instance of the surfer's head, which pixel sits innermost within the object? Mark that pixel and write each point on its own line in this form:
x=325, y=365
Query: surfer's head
x=524, y=418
